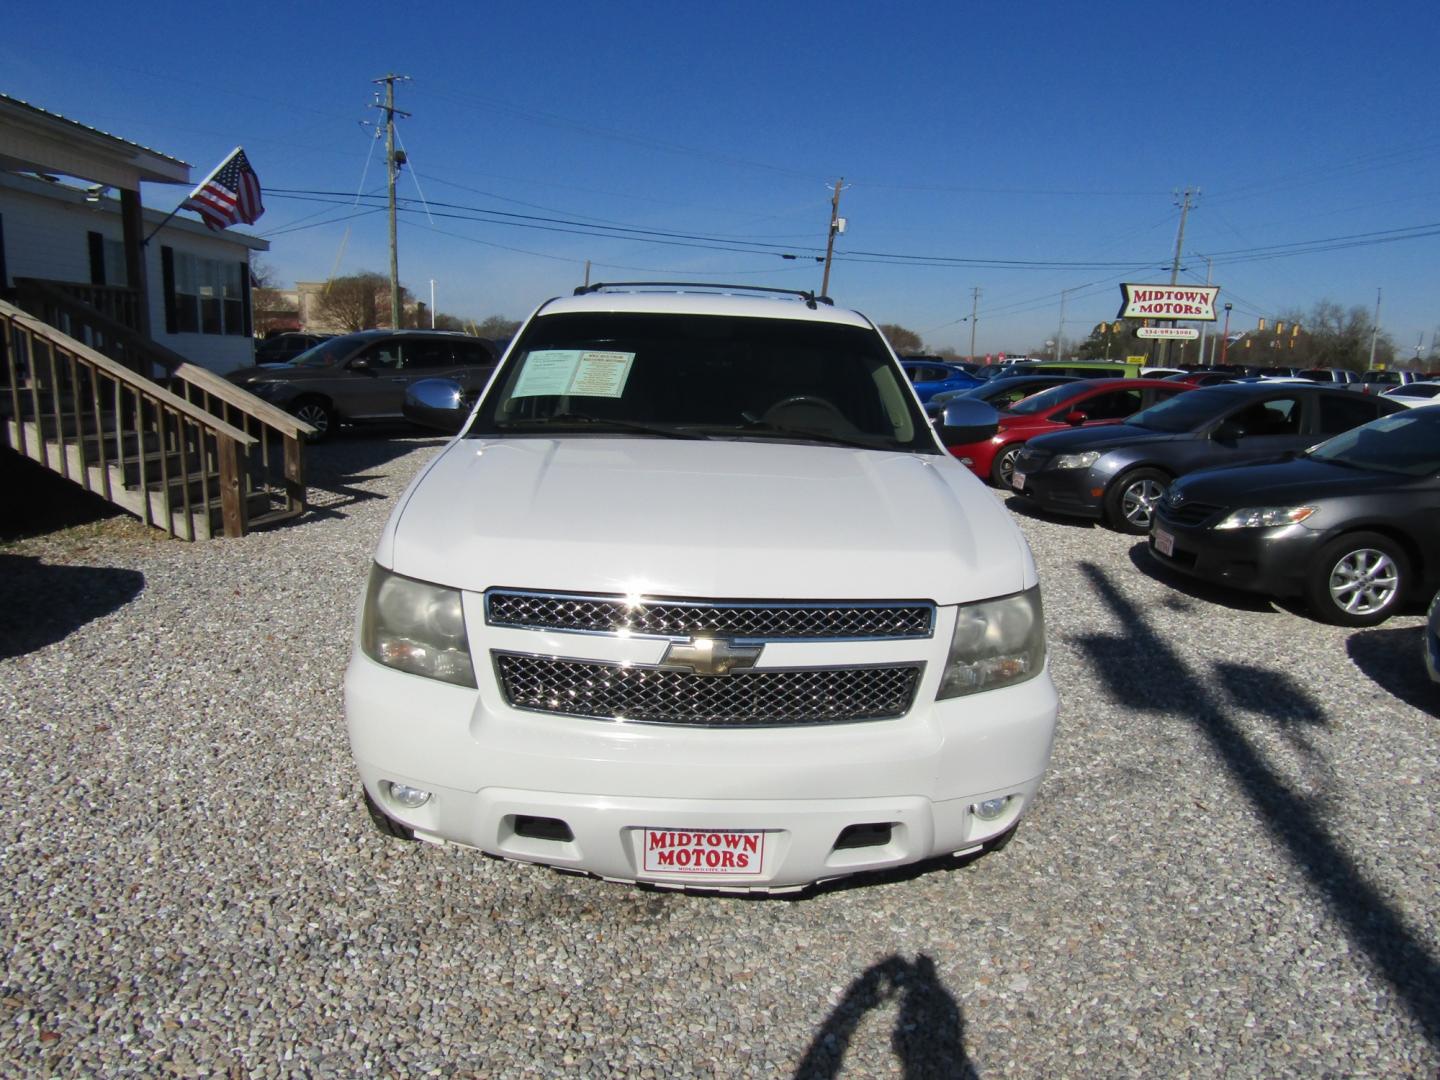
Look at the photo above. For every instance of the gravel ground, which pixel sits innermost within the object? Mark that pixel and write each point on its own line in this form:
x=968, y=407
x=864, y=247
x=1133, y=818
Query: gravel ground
x=1231, y=870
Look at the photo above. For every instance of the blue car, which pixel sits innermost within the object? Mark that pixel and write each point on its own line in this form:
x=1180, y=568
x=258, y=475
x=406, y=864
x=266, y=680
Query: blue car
x=932, y=377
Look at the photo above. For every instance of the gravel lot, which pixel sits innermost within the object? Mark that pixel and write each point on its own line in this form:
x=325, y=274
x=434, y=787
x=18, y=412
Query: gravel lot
x=1232, y=869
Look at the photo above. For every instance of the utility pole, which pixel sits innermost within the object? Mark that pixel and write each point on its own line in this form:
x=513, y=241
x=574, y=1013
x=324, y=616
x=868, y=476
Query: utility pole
x=974, y=317
x=392, y=167
x=1374, y=332
x=830, y=243
x=1184, y=204
x=432, y=303
x=1060, y=330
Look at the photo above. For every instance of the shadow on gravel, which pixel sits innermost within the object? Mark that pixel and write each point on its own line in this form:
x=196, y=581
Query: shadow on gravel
x=1393, y=660
x=929, y=1034
x=1294, y=822
x=335, y=470
x=40, y=604
x=1194, y=588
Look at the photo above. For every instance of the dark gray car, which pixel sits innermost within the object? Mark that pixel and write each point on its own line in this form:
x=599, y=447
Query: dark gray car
x=362, y=376
x=1118, y=473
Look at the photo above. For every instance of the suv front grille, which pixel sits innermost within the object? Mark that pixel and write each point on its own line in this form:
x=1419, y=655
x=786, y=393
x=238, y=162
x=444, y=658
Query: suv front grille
x=825, y=621
x=745, y=699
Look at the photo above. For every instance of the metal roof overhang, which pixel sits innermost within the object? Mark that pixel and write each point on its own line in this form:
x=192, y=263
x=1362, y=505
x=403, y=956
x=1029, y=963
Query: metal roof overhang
x=33, y=140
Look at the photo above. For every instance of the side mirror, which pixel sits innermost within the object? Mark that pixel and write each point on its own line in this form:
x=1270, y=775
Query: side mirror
x=359, y=365
x=436, y=403
x=1075, y=417
x=1227, y=432
x=966, y=422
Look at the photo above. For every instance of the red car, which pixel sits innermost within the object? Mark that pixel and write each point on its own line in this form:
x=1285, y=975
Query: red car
x=1080, y=404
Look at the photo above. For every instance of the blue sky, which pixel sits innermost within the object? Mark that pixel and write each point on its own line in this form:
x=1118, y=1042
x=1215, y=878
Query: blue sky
x=1053, y=135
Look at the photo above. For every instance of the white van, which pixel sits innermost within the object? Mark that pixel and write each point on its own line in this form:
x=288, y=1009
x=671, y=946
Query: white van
x=697, y=598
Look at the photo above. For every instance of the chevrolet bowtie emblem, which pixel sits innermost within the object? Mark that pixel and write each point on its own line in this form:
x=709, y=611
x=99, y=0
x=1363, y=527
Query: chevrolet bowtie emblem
x=710, y=656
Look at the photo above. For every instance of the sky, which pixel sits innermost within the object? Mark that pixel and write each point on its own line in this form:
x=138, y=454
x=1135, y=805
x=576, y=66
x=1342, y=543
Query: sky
x=1035, y=152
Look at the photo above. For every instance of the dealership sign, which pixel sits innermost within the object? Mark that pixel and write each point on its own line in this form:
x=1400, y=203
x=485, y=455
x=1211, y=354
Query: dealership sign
x=1168, y=333
x=1169, y=302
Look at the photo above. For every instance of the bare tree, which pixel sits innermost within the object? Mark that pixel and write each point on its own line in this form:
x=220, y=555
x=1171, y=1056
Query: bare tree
x=271, y=309
x=359, y=302
x=903, y=341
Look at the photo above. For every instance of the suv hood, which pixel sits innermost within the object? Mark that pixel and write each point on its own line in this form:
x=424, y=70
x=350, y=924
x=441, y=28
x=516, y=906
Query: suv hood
x=732, y=519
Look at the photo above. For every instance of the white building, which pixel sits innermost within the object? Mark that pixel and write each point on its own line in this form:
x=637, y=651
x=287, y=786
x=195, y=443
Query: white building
x=186, y=287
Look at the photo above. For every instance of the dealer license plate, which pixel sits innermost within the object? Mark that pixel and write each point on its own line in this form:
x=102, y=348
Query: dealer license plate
x=1017, y=481
x=1164, y=542
x=702, y=852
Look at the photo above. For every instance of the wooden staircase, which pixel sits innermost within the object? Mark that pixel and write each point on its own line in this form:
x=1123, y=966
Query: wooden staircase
x=176, y=445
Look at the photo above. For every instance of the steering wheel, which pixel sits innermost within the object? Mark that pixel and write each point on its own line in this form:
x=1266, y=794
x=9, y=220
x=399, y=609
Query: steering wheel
x=806, y=408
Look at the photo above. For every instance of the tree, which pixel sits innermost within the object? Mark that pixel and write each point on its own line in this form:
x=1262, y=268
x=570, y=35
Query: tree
x=903, y=341
x=271, y=309
x=359, y=302
x=498, y=328
x=1329, y=336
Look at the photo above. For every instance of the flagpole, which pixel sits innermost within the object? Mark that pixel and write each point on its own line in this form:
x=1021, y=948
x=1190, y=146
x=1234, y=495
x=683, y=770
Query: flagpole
x=213, y=173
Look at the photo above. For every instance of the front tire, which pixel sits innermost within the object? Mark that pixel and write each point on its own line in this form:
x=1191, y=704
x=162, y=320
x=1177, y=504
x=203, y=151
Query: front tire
x=1357, y=580
x=319, y=415
x=1002, y=469
x=1131, y=500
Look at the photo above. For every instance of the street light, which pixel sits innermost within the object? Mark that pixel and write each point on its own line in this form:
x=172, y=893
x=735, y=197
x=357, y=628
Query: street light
x=1225, y=335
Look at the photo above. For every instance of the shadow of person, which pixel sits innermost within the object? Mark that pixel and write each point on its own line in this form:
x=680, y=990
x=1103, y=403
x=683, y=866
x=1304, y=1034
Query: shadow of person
x=929, y=1034
x=41, y=604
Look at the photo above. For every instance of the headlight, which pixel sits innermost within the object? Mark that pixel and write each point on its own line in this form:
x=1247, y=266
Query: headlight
x=1264, y=517
x=1077, y=461
x=416, y=627
x=996, y=643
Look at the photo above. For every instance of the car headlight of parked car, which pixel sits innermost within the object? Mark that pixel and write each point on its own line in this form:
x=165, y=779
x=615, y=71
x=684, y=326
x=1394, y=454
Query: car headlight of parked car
x=1077, y=461
x=996, y=643
x=1265, y=517
x=416, y=627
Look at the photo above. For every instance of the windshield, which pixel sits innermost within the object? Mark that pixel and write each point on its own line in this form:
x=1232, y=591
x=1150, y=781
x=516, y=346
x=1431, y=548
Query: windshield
x=1406, y=443
x=692, y=375
x=326, y=354
x=1184, y=412
x=1046, y=400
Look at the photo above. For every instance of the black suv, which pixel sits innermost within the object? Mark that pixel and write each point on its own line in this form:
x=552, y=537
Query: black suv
x=363, y=376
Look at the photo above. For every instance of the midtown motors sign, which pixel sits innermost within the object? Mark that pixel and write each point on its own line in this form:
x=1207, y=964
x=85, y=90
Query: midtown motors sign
x=1195, y=302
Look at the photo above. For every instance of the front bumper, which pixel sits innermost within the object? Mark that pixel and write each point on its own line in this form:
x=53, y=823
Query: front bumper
x=491, y=768
x=1269, y=561
x=1070, y=492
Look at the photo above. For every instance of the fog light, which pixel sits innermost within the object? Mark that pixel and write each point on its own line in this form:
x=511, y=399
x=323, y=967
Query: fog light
x=991, y=809
x=406, y=796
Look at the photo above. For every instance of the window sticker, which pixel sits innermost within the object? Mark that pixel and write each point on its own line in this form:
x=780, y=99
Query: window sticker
x=577, y=372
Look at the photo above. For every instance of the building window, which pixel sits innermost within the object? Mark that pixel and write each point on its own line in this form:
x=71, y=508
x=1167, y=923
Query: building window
x=116, y=272
x=209, y=296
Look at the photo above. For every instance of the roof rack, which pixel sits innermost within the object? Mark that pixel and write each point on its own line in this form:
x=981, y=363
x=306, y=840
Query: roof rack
x=811, y=300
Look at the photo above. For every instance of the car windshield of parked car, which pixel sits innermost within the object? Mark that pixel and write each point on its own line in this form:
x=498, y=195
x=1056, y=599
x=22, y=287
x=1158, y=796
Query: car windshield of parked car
x=326, y=354
x=1407, y=443
x=1184, y=412
x=698, y=376
x=1046, y=400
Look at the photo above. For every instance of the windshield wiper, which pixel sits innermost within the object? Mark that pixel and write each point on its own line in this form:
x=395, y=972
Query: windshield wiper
x=661, y=430
x=877, y=443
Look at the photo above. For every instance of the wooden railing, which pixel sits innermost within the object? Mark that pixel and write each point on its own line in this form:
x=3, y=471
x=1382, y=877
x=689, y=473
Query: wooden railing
x=115, y=302
x=154, y=408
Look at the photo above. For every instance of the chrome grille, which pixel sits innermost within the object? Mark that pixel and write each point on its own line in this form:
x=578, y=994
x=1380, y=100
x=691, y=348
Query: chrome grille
x=659, y=617
x=1188, y=513
x=747, y=699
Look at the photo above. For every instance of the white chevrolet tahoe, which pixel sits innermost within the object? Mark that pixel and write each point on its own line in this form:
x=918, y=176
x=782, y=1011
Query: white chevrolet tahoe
x=698, y=598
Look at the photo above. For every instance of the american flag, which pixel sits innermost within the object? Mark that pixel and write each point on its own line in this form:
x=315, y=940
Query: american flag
x=231, y=194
